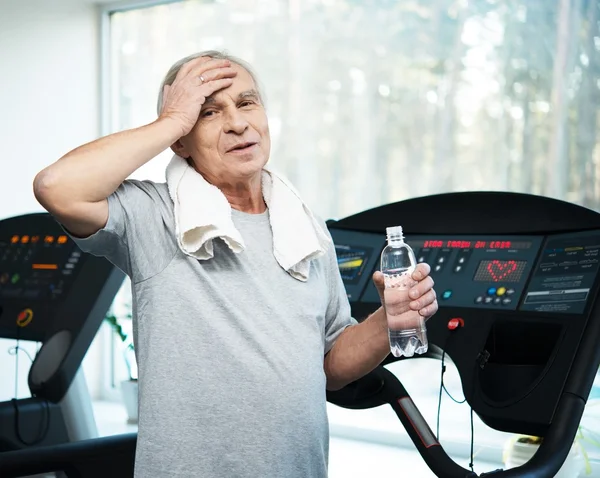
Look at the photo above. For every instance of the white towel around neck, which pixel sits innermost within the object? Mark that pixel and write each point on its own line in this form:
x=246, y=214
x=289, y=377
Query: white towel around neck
x=202, y=214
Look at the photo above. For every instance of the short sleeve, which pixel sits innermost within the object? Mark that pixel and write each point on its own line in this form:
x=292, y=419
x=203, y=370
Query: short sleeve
x=137, y=237
x=339, y=314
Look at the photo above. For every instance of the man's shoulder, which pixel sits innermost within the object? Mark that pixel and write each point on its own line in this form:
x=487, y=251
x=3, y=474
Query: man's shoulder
x=145, y=200
x=146, y=185
x=146, y=192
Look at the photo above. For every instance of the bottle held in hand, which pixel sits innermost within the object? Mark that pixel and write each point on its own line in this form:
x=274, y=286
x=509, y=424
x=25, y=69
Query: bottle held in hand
x=406, y=327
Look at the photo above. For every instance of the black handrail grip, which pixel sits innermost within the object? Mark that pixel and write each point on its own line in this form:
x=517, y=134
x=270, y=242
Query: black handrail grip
x=64, y=457
x=434, y=455
x=546, y=462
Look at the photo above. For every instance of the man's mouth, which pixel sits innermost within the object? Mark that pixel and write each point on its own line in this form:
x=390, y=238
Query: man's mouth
x=241, y=147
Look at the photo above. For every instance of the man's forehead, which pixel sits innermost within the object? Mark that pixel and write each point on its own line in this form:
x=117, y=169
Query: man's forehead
x=251, y=94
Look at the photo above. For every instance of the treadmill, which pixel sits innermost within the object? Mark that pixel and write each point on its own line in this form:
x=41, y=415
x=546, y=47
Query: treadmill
x=517, y=281
x=53, y=294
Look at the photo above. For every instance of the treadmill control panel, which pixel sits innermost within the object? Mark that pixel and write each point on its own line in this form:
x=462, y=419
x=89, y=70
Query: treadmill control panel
x=358, y=257
x=508, y=272
x=565, y=274
x=35, y=265
x=478, y=271
x=47, y=283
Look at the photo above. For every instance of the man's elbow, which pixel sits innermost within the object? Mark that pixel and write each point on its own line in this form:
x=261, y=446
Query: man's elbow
x=54, y=195
x=45, y=188
x=334, y=385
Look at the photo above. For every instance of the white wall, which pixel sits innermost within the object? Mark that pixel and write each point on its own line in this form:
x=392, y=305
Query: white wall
x=49, y=104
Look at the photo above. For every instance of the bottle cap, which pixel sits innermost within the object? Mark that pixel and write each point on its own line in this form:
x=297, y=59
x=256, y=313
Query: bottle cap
x=394, y=233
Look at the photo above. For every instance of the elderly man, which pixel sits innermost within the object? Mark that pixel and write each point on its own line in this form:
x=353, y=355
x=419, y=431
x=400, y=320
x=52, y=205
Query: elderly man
x=241, y=320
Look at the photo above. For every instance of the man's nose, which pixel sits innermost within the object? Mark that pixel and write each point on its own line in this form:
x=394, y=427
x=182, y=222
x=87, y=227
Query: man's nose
x=235, y=121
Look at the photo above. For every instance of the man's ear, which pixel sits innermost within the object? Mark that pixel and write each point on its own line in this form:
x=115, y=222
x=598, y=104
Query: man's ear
x=180, y=150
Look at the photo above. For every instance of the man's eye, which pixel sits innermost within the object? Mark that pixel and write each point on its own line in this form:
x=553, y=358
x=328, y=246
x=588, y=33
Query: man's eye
x=207, y=113
x=246, y=103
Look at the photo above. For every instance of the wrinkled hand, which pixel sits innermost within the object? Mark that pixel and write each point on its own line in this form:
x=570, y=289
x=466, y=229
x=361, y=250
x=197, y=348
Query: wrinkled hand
x=422, y=294
x=196, y=80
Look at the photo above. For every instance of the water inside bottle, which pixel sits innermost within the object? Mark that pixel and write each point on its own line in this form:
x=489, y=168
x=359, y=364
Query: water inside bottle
x=406, y=327
x=405, y=343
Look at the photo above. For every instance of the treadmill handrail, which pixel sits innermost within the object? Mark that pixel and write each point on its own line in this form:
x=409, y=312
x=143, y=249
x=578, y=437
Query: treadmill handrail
x=547, y=461
x=48, y=459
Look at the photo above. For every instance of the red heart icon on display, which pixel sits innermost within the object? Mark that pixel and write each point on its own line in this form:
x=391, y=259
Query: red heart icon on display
x=501, y=269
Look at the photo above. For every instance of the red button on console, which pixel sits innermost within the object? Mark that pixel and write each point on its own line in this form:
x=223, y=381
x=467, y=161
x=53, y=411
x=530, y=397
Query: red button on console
x=455, y=323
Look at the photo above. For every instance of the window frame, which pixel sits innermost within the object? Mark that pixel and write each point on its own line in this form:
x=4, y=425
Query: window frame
x=109, y=389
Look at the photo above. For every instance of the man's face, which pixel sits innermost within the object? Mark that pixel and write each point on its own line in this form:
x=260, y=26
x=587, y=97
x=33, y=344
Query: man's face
x=230, y=142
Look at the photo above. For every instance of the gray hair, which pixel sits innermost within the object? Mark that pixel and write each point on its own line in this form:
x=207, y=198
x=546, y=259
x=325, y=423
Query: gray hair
x=214, y=54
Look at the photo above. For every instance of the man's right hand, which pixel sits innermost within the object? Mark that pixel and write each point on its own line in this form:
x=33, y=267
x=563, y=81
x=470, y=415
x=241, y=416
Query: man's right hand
x=196, y=80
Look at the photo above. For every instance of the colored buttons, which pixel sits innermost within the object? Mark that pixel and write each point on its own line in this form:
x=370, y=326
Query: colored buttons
x=24, y=317
x=447, y=294
x=496, y=296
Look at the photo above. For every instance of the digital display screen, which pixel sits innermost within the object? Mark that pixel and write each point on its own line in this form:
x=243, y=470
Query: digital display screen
x=352, y=261
x=469, y=244
x=500, y=271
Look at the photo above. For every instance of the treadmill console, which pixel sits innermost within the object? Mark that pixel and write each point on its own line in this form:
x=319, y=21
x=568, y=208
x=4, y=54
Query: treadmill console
x=47, y=283
x=358, y=257
x=565, y=274
x=35, y=265
x=501, y=272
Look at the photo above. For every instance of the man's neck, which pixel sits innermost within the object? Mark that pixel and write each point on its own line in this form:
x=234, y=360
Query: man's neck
x=249, y=205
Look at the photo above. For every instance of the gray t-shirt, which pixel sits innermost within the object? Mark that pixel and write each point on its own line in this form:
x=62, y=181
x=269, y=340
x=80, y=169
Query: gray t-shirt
x=230, y=350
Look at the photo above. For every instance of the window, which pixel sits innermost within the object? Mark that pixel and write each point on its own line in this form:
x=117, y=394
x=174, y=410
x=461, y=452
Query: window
x=375, y=102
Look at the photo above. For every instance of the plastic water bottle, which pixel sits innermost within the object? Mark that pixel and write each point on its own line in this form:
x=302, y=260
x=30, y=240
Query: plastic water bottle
x=406, y=327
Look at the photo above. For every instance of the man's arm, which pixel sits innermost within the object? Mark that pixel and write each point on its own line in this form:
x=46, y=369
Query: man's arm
x=75, y=188
x=357, y=351
x=361, y=348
